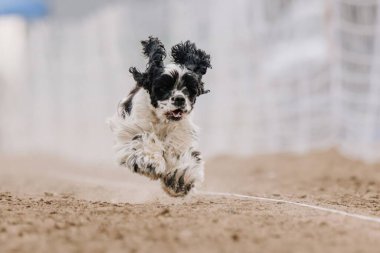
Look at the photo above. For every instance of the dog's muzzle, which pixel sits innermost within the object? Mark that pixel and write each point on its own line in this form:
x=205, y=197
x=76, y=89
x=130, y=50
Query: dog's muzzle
x=175, y=115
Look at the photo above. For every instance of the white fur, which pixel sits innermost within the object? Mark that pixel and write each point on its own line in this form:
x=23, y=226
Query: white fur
x=167, y=146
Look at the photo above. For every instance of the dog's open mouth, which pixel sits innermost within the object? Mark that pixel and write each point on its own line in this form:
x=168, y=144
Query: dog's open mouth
x=175, y=115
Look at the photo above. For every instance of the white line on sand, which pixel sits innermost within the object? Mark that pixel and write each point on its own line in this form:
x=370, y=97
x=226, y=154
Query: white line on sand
x=325, y=209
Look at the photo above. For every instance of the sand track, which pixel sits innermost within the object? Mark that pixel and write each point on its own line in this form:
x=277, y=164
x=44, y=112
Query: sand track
x=48, y=205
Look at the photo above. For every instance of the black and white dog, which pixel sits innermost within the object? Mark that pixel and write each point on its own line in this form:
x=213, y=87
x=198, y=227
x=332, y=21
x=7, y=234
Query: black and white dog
x=155, y=135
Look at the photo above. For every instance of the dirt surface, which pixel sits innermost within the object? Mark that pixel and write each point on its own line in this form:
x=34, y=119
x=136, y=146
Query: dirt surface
x=50, y=205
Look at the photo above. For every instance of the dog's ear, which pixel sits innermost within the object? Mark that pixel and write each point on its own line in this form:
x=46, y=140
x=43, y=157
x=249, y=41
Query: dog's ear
x=154, y=50
x=196, y=60
x=187, y=54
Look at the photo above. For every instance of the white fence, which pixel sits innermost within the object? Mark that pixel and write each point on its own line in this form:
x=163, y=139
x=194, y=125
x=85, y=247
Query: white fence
x=288, y=75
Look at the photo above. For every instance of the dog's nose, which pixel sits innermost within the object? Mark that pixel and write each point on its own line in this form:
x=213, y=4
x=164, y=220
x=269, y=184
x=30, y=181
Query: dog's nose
x=179, y=101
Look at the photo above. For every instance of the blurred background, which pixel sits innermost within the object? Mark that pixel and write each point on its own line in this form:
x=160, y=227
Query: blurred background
x=293, y=114
x=288, y=75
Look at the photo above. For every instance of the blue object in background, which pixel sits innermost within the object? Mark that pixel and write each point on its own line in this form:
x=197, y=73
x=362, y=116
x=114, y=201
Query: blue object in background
x=26, y=8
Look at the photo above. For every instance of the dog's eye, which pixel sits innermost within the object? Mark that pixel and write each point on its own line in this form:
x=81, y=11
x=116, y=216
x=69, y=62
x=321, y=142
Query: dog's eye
x=162, y=87
x=191, y=85
x=162, y=93
x=191, y=89
x=186, y=91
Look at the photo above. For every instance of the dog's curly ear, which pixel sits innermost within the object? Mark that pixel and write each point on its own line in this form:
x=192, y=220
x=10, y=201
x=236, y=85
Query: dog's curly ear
x=187, y=54
x=154, y=50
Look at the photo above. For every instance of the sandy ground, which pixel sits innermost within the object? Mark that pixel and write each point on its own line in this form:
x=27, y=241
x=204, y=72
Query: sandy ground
x=50, y=205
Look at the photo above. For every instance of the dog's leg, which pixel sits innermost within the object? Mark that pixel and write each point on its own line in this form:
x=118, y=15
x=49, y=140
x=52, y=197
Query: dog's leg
x=143, y=155
x=184, y=172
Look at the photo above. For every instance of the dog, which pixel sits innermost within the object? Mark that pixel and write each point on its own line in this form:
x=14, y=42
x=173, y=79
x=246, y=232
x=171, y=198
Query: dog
x=155, y=135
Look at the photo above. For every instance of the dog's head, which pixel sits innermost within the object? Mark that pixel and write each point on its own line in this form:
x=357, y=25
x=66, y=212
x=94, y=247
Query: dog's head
x=173, y=88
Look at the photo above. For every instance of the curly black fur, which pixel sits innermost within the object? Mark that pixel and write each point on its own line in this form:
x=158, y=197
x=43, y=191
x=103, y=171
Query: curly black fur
x=187, y=54
x=154, y=50
x=184, y=53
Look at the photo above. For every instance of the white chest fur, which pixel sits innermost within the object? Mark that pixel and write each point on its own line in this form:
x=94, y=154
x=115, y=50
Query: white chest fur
x=157, y=147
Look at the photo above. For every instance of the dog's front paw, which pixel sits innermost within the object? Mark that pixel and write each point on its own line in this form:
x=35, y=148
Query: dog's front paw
x=152, y=166
x=175, y=185
x=179, y=183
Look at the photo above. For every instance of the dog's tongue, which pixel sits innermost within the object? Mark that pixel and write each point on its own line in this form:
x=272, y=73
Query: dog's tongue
x=177, y=113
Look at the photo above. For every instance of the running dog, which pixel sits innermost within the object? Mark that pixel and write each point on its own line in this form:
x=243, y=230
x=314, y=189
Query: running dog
x=155, y=135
